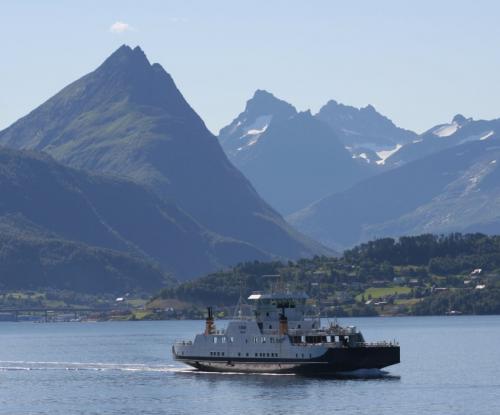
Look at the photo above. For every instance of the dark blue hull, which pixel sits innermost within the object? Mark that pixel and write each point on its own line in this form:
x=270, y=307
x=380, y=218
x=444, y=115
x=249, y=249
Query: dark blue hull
x=334, y=360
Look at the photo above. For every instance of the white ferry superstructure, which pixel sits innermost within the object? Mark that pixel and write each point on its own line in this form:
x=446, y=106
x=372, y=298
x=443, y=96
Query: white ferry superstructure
x=280, y=339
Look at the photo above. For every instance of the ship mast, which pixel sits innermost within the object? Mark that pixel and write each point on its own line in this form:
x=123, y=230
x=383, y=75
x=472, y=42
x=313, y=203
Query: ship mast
x=238, y=311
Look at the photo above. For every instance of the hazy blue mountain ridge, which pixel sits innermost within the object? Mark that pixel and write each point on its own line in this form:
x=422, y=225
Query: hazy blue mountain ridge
x=459, y=131
x=292, y=158
x=457, y=189
x=365, y=132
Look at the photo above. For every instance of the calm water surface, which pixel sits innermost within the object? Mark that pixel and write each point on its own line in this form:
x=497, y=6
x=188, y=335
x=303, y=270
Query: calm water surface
x=450, y=365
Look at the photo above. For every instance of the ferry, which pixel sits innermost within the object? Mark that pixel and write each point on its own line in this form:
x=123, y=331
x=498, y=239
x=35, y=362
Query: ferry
x=281, y=339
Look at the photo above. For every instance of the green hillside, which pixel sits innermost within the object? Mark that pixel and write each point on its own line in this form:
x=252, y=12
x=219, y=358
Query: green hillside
x=424, y=274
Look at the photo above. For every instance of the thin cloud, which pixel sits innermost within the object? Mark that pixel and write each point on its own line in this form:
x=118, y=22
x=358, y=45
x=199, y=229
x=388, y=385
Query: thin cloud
x=120, y=27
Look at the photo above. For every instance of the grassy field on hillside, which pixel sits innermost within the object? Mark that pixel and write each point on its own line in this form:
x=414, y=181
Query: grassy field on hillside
x=381, y=292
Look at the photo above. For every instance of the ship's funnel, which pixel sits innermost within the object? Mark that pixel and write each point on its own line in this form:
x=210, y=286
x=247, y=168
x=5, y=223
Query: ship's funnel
x=209, y=322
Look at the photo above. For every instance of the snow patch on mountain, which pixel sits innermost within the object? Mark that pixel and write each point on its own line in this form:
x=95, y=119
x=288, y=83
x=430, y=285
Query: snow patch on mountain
x=362, y=156
x=251, y=133
x=385, y=154
x=446, y=130
x=486, y=136
x=258, y=126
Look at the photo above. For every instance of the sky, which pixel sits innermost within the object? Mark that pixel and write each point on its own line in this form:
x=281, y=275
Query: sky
x=419, y=63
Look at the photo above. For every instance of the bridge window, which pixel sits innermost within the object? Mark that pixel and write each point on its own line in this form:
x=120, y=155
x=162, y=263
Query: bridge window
x=223, y=339
x=231, y=340
x=263, y=339
x=215, y=339
x=247, y=354
x=239, y=354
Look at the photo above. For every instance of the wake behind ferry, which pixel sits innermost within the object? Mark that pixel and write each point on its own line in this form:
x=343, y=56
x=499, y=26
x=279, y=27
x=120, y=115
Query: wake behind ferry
x=280, y=339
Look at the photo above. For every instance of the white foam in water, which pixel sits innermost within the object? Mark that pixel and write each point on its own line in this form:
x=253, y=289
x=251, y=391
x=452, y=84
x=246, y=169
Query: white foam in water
x=21, y=365
x=201, y=372
x=7, y=365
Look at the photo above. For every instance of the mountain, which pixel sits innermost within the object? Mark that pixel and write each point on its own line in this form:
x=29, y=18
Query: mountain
x=28, y=262
x=366, y=133
x=45, y=200
x=457, y=189
x=461, y=130
x=292, y=159
x=246, y=129
x=128, y=118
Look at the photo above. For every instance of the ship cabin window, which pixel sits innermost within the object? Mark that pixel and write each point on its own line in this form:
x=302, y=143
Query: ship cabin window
x=222, y=353
x=302, y=354
x=247, y=354
x=218, y=353
x=268, y=355
x=302, y=339
x=215, y=339
x=267, y=314
x=263, y=339
x=256, y=354
x=299, y=326
x=231, y=340
x=223, y=339
x=328, y=339
x=239, y=354
x=255, y=339
x=270, y=326
x=296, y=355
x=271, y=339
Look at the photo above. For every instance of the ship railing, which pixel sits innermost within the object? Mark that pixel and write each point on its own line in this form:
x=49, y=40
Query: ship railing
x=328, y=344
x=341, y=331
x=378, y=344
x=183, y=342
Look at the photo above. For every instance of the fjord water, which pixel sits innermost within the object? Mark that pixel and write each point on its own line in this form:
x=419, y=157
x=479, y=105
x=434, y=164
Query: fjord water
x=450, y=365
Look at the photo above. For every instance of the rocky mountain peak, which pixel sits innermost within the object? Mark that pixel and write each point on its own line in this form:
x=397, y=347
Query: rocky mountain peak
x=459, y=119
x=265, y=103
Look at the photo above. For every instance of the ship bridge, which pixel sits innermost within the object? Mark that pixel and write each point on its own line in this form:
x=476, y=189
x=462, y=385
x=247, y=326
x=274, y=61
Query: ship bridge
x=271, y=307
